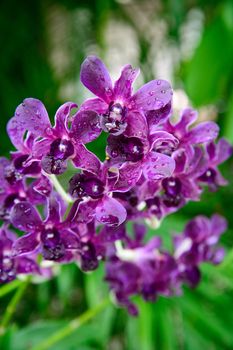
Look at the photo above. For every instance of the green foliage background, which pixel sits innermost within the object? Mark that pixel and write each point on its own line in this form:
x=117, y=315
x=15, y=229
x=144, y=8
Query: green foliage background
x=43, y=44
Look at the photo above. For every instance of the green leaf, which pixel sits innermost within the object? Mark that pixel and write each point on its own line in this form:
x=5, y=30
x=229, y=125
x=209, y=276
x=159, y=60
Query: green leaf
x=209, y=70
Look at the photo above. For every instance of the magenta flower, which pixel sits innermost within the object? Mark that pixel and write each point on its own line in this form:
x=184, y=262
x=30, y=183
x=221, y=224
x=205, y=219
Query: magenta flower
x=53, y=146
x=216, y=154
x=116, y=104
x=11, y=266
x=96, y=191
x=51, y=238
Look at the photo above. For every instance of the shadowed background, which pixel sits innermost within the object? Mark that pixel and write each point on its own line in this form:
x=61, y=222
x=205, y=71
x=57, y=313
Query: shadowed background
x=189, y=43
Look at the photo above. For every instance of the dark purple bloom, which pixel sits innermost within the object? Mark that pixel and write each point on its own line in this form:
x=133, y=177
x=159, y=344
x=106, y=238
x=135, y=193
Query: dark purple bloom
x=134, y=155
x=50, y=237
x=12, y=192
x=115, y=102
x=140, y=269
x=96, y=189
x=216, y=154
x=53, y=146
x=199, y=244
x=11, y=266
x=153, y=167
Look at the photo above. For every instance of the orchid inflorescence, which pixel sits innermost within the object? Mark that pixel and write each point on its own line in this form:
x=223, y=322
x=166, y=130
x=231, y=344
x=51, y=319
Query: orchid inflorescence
x=153, y=167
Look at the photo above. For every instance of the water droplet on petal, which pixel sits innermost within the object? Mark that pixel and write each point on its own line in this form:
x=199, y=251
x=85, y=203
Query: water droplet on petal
x=49, y=131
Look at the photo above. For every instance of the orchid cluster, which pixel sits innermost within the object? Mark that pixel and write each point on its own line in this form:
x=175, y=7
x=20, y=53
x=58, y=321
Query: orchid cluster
x=153, y=167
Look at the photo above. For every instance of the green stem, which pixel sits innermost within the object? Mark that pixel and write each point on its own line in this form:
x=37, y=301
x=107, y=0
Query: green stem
x=67, y=198
x=71, y=327
x=7, y=288
x=11, y=307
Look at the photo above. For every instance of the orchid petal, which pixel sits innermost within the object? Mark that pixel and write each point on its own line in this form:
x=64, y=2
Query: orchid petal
x=202, y=133
x=25, y=217
x=129, y=174
x=95, y=77
x=85, y=126
x=86, y=160
x=26, y=244
x=158, y=166
x=136, y=125
x=154, y=95
x=123, y=86
x=62, y=118
x=110, y=212
x=94, y=104
x=31, y=115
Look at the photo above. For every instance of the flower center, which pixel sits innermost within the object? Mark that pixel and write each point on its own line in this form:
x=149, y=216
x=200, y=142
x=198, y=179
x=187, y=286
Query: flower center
x=172, y=191
x=12, y=175
x=209, y=176
x=61, y=149
x=114, y=120
x=89, y=259
x=153, y=204
x=133, y=149
x=81, y=186
x=7, y=270
x=52, y=246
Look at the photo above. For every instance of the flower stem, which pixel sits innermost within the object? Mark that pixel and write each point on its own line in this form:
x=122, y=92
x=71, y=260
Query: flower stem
x=67, y=198
x=71, y=327
x=7, y=288
x=11, y=307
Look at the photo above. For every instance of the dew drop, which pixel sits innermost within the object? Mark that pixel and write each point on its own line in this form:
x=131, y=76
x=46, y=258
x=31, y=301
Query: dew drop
x=49, y=131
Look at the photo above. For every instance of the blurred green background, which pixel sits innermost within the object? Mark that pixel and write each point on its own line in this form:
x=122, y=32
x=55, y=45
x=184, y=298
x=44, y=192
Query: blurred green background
x=190, y=43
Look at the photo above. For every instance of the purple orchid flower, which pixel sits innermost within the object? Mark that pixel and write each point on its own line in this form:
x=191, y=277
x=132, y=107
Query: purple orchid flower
x=139, y=268
x=216, y=154
x=202, y=133
x=53, y=146
x=115, y=104
x=51, y=238
x=133, y=153
x=95, y=191
x=199, y=244
x=13, y=189
x=10, y=266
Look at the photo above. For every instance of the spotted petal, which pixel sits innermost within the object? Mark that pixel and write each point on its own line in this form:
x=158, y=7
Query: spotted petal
x=110, y=212
x=202, y=133
x=123, y=86
x=86, y=160
x=154, y=95
x=26, y=244
x=158, y=166
x=25, y=217
x=136, y=125
x=129, y=174
x=62, y=118
x=85, y=126
x=31, y=115
x=95, y=77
